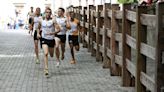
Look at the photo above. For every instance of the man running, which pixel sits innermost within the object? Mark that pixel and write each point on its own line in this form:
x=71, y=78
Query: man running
x=60, y=38
x=30, y=16
x=35, y=22
x=49, y=29
x=73, y=28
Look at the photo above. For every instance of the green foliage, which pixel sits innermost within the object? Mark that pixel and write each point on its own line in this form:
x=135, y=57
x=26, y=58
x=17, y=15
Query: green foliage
x=127, y=1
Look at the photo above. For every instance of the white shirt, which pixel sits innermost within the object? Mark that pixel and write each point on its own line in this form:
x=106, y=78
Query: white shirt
x=47, y=26
x=62, y=24
x=37, y=19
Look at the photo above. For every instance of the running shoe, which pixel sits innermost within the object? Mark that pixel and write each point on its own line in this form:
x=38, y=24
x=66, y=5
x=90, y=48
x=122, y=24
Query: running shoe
x=37, y=61
x=46, y=71
x=72, y=62
x=57, y=64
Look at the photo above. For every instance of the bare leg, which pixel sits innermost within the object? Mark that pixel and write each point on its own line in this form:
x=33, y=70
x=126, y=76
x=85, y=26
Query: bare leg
x=57, y=52
x=51, y=51
x=36, y=49
x=45, y=49
x=63, y=50
x=72, y=51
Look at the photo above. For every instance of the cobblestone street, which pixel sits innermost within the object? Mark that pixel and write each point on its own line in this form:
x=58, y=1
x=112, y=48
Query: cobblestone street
x=19, y=73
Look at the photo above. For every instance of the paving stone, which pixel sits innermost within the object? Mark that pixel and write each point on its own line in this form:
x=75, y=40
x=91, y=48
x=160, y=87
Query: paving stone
x=19, y=73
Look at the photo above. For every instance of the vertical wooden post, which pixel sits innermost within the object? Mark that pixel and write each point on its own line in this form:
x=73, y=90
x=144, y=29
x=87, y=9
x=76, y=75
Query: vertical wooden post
x=159, y=74
x=140, y=59
x=126, y=50
x=80, y=19
x=114, y=67
x=84, y=31
x=89, y=28
x=106, y=62
x=98, y=23
x=93, y=36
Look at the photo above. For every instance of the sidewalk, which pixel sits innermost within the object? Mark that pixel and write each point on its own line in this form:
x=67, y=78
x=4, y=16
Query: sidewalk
x=19, y=73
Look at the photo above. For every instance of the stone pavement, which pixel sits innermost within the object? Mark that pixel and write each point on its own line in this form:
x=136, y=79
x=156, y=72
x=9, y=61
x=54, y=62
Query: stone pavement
x=19, y=73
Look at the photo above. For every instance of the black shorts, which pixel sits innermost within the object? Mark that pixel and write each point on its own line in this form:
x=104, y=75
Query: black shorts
x=50, y=43
x=62, y=38
x=30, y=21
x=73, y=40
x=35, y=35
x=35, y=38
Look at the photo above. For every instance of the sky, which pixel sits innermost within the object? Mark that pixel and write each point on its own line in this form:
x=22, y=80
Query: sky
x=7, y=9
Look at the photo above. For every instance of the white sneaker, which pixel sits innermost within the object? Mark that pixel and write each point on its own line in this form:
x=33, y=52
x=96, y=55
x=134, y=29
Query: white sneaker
x=57, y=64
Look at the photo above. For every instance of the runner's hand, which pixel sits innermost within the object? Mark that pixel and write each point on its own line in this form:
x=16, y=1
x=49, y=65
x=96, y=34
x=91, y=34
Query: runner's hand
x=50, y=33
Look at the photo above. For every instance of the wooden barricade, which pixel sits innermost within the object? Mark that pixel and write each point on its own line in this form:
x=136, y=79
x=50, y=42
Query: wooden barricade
x=120, y=40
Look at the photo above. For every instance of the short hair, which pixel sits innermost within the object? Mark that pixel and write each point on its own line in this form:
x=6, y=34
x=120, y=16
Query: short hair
x=48, y=8
x=63, y=10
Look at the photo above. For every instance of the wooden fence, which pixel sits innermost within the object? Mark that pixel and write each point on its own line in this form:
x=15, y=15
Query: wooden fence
x=119, y=39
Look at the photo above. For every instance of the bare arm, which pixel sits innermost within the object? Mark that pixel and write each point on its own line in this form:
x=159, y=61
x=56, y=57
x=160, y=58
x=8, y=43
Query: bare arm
x=38, y=30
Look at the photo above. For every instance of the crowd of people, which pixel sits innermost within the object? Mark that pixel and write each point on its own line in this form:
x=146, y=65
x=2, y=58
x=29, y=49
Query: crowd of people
x=50, y=31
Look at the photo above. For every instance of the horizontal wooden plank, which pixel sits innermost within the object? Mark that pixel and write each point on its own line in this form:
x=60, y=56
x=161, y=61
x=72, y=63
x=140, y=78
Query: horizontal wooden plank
x=81, y=23
x=118, y=37
x=118, y=60
x=118, y=14
x=86, y=38
x=81, y=12
x=94, y=45
x=77, y=11
x=131, y=67
x=101, y=31
x=131, y=41
x=102, y=14
x=147, y=81
x=101, y=48
x=109, y=53
x=148, y=20
x=86, y=25
x=109, y=33
x=148, y=51
x=110, y=13
x=94, y=29
x=131, y=15
x=95, y=14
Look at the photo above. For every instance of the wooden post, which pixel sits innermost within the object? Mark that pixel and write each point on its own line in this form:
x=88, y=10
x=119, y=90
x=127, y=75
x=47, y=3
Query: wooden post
x=98, y=23
x=126, y=50
x=140, y=58
x=84, y=31
x=106, y=61
x=90, y=27
x=80, y=19
x=159, y=74
x=93, y=34
x=114, y=67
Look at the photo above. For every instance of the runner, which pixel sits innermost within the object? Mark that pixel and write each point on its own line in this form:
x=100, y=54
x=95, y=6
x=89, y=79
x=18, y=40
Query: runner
x=30, y=16
x=60, y=38
x=35, y=22
x=49, y=29
x=73, y=28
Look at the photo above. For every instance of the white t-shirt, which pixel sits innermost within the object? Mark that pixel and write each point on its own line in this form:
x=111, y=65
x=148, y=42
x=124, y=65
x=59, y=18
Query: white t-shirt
x=47, y=26
x=37, y=19
x=62, y=24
